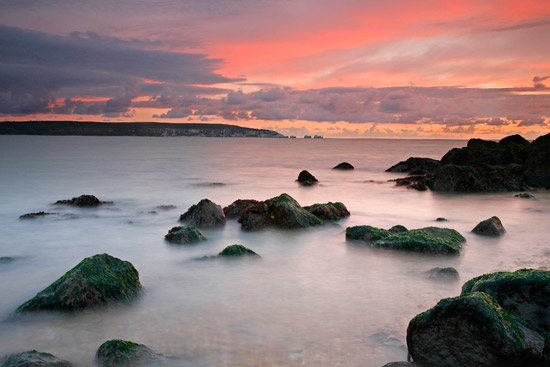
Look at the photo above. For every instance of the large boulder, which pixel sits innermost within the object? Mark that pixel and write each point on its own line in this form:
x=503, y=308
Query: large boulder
x=236, y=208
x=184, y=234
x=472, y=330
x=307, y=179
x=95, y=281
x=329, y=211
x=286, y=213
x=490, y=227
x=205, y=214
x=524, y=293
x=82, y=201
x=432, y=240
x=122, y=353
x=237, y=250
x=344, y=166
x=511, y=149
x=537, y=165
x=255, y=217
x=415, y=165
x=32, y=358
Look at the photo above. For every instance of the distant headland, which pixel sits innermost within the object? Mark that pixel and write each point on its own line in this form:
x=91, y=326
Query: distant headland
x=131, y=129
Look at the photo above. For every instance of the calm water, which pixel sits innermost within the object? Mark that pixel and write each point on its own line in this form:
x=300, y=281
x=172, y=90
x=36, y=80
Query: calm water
x=314, y=300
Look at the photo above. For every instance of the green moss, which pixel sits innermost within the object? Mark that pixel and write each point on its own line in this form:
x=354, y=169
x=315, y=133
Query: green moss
x=366, y=233
x=515, y=281
x=184, y=234
x=398, y=229
x=237, y=250
x=119, y=353
x=427, y=240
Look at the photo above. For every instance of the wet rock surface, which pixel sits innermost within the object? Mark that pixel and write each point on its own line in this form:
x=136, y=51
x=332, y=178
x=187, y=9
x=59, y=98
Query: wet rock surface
x=491, y=227
x=344, y=166
x=307, y=179
x=184, y=234
x=123, y=353
x=33, y=358
x=205, y=214
x=83, y=201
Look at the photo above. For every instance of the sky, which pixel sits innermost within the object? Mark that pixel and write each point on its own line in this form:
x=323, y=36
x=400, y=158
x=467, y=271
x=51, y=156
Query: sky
x=338, y=68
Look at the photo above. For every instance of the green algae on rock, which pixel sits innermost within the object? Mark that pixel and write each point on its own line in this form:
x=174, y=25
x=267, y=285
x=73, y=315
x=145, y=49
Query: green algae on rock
x=524, y=293
x=432, y=240
x=472, y=330
x=95, y=281
x=184, y=234
x=366, y=233
x=121, y=353
x=237, y=250
x=204, y=214
x=32, y=358
x=329, y=211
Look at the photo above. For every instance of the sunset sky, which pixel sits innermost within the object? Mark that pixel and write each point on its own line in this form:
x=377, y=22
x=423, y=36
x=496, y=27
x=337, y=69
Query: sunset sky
x=346, y=68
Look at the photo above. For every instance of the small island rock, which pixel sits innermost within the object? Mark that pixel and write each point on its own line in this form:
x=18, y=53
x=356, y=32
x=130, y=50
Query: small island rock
x=490, y=227
x=32, y=358
x=205, y=214
x=122, y=353
x=432, y=240
x=184, y=234
x=344, y=166
x=237, y=250
x=82, y=201
x=306, y=179
x=95, y=281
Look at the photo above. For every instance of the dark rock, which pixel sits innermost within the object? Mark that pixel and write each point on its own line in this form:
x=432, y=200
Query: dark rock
x=208, y=184
x=537, y=164
x=307, y=179
x=205, y=214
x=399, y=364
x=255, y=217
x=329, y=211
x=524, y=195
x=285, y=212
x=6, y=259
x=480, y=151
x=32, y=358
x=83, y=201
x=185, y=234
x=35, y=215
x=343, y=166
x=490, y=227
x=514, y=139
x=95, y=281
x=432, y=240
x=237, y=250
x=481, y=178
x=441, y=219
x=524, y=293
x=472, y=330
x=546, y=351
x=166, y=207
x=417, y=182
x=366, y=233
x=443, y=274
x=152, y=212
x=122, y=353
x=398, y=229
x=415, y=165
x=235, y=209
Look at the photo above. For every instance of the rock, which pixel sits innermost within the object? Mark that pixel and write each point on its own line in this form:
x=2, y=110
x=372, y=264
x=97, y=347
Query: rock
x=35, y=215
x=490, y=227
x=546, y=350
x=514, y=139
x=166, y=207
x=441, y=219
x=122, y=353
x=205, y=214
x=255, y=217
x=480, y=151
x=32, y=358
x=6, y=259
x=235, y=209
x=524, y=195
x=415, y=165
x=481, y=178
x=443, y=274
x=307, y=179
x=343, y=166
x=369, y=233
x=398, y=229
x=83, y=201
x=285, y=212
x=524, y=293
x=185, y=234
x=537, y=164
x=432, y=240
x=237, y=250
x=96, y=281
x=329, y=211
x=472, y=330
x=399, y=364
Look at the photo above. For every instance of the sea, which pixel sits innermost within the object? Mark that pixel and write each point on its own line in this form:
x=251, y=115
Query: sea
x=314, y=299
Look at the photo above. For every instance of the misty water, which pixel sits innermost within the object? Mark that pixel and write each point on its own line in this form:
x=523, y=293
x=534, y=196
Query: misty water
x=313, y=300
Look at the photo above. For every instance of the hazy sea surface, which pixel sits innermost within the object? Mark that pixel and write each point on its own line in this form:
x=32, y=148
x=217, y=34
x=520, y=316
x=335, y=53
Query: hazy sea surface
x=314, y=299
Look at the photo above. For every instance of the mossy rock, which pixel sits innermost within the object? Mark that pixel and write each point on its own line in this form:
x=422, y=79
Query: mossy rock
x=185, y=234
x=490, y=227
x=95, y=281
x=366, y=233
x=447, y=274
x=329, y=211
x=524, y=293
x=236, y=208
x=122, y=353
x=32, y=358
x=255, y=217
x=204, y=214
x=472, y=330
x=433, y=240
x=82, y=201
x=285, y=212
x=237, y=250
x=398, y=229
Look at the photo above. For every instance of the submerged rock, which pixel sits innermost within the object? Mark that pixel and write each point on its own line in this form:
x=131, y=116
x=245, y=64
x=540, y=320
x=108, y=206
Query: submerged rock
x=524, y=293
x=166, y=207
x=306, y=179
x=431, y=240
x=524, y=195
x=96, y=281
x=415, y=165
x=343, y=166
x=205, y=214
x=490, y=227
x=472, y=330
x=329, y=211
x=35, y=215
x=443, y=274
x=122, y=353
x=236, y=208
x=83, y=201
x=184, y=234
x=237, y=250
x=6, y=259
x=32, y=358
